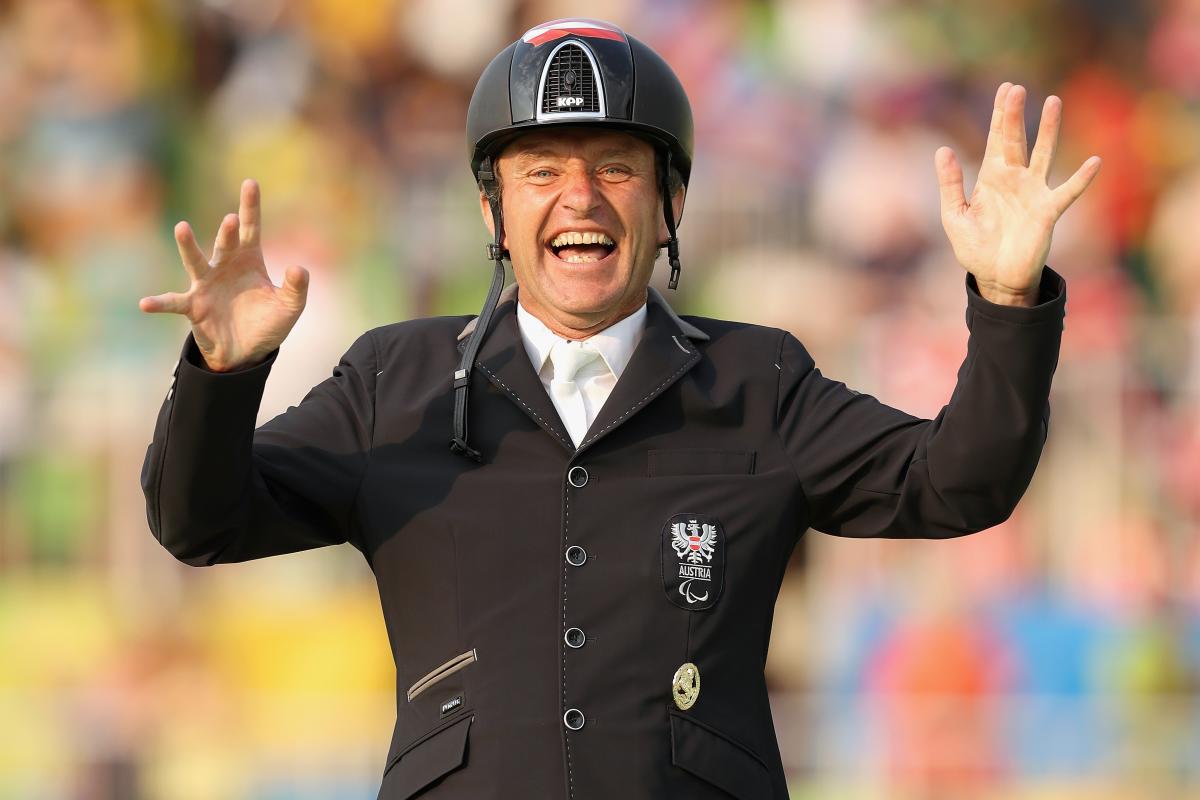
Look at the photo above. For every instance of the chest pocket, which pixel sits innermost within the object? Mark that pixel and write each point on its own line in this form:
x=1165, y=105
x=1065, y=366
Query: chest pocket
x=699, y=461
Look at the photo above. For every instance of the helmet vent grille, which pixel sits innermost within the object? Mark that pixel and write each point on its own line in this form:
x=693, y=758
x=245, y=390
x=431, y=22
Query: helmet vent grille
x=570, y=83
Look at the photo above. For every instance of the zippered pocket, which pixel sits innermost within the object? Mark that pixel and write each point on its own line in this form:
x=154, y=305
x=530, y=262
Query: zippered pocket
x=439, y=672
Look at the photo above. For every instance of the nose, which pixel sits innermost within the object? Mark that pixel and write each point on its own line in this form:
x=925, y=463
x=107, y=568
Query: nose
x=580, y=194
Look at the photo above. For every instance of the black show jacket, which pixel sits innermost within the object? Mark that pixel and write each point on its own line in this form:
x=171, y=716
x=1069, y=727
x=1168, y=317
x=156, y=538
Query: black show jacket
x=538, y=604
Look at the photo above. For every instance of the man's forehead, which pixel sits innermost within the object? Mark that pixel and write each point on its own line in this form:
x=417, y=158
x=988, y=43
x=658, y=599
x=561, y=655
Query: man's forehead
x=565, y=141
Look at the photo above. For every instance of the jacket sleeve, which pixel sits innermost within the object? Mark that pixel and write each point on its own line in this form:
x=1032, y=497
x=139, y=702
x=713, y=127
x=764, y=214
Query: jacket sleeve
x=867, y=469
x=218, y=490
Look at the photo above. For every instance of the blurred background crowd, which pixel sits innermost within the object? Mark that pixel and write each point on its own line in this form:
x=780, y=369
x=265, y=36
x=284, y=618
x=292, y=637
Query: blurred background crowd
x=1054, y=656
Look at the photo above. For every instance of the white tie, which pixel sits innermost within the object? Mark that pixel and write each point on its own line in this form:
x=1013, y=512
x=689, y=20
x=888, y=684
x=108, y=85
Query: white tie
x=568, y=358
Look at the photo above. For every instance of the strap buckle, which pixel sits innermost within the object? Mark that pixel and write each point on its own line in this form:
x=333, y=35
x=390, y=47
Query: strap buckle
x=458, y=446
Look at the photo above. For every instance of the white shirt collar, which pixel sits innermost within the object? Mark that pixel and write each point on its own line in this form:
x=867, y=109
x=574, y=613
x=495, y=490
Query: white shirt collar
x=615, y=343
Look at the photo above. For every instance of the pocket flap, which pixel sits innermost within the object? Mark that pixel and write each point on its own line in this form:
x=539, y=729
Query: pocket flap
x=699, y=461
x=710, y=755
x=425, y=760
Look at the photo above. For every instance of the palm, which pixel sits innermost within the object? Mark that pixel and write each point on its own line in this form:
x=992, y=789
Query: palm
x=238, y=315
x=1002, y=235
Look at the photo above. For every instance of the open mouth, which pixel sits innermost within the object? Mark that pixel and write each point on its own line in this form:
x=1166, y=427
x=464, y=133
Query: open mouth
x=581, y=247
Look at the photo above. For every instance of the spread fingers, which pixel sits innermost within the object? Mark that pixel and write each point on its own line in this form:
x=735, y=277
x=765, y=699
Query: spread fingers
x=250, y=212
x=189, y=252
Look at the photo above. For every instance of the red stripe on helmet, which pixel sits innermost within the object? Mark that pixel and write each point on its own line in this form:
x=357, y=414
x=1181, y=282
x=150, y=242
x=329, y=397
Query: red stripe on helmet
x=557, y=29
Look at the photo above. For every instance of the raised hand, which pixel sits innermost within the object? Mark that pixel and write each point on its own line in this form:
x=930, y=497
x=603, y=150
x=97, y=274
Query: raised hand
x=1002, y=235
x=238, y=315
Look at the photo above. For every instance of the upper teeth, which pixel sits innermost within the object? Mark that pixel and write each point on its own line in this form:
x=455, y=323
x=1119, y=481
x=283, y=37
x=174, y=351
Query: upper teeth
x=580, y=237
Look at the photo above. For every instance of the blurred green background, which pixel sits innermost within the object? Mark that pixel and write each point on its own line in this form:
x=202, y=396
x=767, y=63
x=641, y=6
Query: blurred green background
x=1054, y=656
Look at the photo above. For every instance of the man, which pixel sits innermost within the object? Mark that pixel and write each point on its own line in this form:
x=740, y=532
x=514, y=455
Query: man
x=579, y=590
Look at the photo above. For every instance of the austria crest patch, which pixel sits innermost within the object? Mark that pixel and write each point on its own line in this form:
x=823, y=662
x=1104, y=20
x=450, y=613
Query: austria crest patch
x=693, y=560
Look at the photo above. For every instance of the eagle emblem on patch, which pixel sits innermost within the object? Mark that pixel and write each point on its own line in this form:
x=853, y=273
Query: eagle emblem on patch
x=693, y=560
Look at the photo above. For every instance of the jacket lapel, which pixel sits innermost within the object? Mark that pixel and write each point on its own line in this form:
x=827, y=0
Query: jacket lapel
x=503, y=359
x=665, y=352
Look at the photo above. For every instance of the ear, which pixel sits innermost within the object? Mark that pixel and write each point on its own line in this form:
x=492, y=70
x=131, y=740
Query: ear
x=677, y=204
x=677, y=207
x=485, y=208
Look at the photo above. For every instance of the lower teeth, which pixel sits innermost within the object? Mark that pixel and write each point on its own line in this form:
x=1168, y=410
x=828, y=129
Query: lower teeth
x=580, y=259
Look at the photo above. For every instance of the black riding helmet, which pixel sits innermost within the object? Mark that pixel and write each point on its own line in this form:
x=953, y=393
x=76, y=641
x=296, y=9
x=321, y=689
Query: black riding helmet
x=569, y=72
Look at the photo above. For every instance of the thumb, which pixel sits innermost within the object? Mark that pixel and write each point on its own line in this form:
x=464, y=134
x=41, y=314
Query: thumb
x=295, y=285
x=950, y=181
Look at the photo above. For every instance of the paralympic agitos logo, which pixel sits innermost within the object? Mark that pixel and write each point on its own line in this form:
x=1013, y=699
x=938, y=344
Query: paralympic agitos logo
x=693, y=560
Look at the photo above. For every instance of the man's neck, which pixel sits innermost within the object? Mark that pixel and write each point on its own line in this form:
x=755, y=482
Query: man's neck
x=568, y=332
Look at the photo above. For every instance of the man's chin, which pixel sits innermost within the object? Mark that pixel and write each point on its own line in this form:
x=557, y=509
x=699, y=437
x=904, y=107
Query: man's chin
x=582, y=292
x=586, y=304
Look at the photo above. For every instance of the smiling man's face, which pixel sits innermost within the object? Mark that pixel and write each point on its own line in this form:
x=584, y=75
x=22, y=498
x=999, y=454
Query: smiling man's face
x=582, y=224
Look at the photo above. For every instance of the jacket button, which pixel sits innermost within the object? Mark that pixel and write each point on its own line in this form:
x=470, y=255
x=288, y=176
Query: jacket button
x=573, y=719
x=576, y=555
x=577, y=476
x=574, y=637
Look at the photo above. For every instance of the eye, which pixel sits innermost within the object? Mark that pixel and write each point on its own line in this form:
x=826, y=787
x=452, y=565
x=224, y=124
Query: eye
x=540, y=176
x=615, y=171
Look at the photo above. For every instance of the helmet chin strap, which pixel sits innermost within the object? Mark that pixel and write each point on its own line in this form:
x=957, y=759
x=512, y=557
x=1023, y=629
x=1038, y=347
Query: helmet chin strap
x=462, y=375
x=669, y=216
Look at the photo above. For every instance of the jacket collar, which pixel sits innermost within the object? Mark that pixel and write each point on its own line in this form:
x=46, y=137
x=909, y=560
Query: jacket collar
x=614, y=343
x=664, y=353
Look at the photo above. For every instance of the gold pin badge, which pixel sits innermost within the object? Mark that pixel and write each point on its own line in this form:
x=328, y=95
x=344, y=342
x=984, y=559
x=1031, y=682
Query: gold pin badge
x=685, y=686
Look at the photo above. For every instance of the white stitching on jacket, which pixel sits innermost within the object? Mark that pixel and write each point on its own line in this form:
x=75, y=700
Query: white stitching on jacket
x=517, y=397
x=638, y=404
